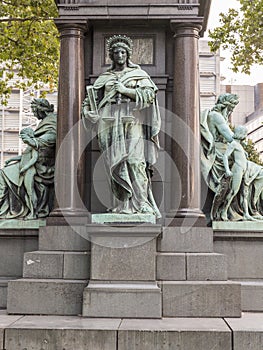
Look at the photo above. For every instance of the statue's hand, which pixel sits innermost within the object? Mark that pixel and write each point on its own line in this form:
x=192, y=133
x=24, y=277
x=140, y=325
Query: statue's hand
x=119, y=87
x=229, y=174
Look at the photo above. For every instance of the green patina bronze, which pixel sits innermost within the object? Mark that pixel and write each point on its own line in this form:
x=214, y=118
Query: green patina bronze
x=236, y=182
x=122, y=104
x=27, y=181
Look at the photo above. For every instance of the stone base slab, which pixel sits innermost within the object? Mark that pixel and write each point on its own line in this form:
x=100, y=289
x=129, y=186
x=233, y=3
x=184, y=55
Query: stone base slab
x=71, y=332
x=201, y=299
x=247, y=331
x=127, y=299
x=111, y=218
x=45, y=297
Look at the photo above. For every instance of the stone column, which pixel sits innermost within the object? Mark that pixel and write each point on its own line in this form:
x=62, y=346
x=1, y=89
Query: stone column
x=69, y=177
x=185, y=128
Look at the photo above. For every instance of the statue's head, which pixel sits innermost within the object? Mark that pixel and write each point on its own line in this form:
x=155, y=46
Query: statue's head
x=240, y=132
x=228, y=101
x=41, y=107
x=119, y=41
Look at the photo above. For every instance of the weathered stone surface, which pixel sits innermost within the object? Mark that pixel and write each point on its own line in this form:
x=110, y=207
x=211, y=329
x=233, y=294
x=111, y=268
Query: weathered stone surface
x=67, y=333
x=43, y=264
x=247, y=331
x=252, y=295
x=111, y=218
x=201, y=299
x=12, y=249
x=128, y=300
x=206, y=267
x=46, y=297
x=244, y=255
x=76, y=265
x=5, y=321
x=128, y=261
x=171, y=334
x=71, y=238
x=3, y=292
x=171, y=266
x=186, y=239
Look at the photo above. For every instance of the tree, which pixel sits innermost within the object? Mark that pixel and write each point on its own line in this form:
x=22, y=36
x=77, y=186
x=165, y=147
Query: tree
x=252, y=152
x=242, y=33
x=30, y=44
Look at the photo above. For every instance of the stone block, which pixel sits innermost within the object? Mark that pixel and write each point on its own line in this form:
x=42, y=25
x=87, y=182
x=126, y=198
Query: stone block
x=118, y=263
x=171, y=334
x=3, y=292
x=5, y=321
x=244, y=256
x=71, y=238
x=76, y=265
x=122, y=300
x=206, y=267
x=59, y=332
x=45, y=297
x=247, y=331
x=43, y=264
x=186, y=239
x=12, y=249
x=252, y=295
x=171, y=266
x=201, y=299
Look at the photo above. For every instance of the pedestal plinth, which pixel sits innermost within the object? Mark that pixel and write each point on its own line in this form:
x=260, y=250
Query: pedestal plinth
x=123, y=272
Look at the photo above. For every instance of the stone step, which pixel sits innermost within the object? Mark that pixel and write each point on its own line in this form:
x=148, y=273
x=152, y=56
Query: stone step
x=201, y=299
x=122, y=299
x=68, y=238
x=252, y=295
x=247, y=331
x=57, y=264
x=191, y=266
x=45, y=296
x=3, y=292
x=68, y=333
x=186, y=240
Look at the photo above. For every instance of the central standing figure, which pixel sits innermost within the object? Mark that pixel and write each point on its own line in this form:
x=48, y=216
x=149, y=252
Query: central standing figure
x=122, y=102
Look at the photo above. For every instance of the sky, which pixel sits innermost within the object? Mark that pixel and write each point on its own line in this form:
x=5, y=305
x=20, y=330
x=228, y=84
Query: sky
x=256, y=75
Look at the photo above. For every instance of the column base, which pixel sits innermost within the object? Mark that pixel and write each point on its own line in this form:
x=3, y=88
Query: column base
x=186, y=217
x=68, y=216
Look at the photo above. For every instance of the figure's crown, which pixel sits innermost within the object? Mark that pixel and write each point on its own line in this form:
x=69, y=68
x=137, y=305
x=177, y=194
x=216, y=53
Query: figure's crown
x=119, y=39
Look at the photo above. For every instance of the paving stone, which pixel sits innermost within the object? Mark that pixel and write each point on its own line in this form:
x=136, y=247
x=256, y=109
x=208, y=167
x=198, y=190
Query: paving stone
x=206, y=267
x=171, y=266
x=128, y=300
x=67, y=333
x=45, y=296
x=171, y=334
x=5, y=321
x=186, y=239
x=247, y=331
x=201, y=299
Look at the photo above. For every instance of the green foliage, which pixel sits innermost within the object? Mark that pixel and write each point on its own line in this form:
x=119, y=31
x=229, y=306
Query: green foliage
x=253, y=154
x=30, y=44
x=242, y=33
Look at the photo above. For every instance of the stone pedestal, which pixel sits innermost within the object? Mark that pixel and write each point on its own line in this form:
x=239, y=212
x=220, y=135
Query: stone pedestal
x=123, y=273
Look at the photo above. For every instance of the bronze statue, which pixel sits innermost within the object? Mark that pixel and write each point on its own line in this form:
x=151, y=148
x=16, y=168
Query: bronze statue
x=236, y=182
x=123, y=105
x=27, y=181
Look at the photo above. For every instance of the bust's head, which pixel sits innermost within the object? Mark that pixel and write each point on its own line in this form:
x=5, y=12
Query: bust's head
x=117, y=42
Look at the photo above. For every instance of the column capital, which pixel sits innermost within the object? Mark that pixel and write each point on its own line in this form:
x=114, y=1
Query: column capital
x=71, y=26
x=186, y=27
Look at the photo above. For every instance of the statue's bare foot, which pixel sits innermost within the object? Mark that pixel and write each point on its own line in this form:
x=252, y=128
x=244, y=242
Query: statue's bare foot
x=249, y=218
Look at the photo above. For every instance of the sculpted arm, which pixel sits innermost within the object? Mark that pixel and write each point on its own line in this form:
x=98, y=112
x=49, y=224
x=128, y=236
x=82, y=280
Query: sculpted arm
x=222, y=127
x=230, y=149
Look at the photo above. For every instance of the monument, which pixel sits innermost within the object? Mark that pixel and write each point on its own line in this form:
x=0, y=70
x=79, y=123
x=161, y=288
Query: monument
x=135, y=268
